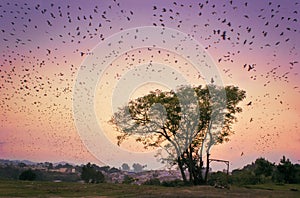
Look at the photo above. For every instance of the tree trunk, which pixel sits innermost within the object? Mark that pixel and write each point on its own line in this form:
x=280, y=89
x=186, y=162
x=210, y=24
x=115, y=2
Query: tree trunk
x=191, y=164
x=181, y=170
x=207, y=167
x=200, y=171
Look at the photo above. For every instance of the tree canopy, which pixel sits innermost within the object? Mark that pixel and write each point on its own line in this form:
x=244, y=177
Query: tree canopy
x=185, y=122
x=90, y=175
x=125, y=167
x=27, y=175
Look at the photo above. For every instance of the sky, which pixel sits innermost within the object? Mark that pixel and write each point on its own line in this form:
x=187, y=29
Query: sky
x=66, y=64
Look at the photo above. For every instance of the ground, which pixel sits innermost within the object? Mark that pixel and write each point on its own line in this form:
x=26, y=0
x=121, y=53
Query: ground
x=51, y=189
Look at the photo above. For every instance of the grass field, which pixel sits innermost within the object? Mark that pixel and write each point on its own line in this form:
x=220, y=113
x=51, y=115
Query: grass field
x=51, y=189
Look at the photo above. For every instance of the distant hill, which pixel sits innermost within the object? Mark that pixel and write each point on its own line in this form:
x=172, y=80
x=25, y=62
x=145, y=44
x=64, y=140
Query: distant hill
x=63, y=163
x=27, y=162
x=16, y=162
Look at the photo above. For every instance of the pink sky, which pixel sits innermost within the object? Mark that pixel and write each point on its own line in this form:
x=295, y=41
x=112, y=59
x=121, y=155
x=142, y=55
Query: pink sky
x=37, y=121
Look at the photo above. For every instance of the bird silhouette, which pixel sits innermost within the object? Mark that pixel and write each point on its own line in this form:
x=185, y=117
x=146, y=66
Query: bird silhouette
x=43, y=45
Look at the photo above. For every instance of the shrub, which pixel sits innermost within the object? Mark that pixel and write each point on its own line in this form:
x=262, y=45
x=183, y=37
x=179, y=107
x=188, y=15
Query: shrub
x=128, y=180
x=176, y=182
x=27, y=175
x=153, y=181
x=218, y=179
x=244, y=177
x=90, y=175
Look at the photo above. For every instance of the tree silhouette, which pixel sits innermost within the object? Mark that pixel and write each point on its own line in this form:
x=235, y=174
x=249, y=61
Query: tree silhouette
x=263, y=167
x=128, y=180
x=125, y=167
x=138, y=167
x=90, y=175
x=27, y=175
x=287, y=171
x=186, y=123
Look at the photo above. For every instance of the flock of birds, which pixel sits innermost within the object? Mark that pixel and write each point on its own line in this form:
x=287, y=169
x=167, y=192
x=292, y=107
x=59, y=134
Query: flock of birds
x=42, y=46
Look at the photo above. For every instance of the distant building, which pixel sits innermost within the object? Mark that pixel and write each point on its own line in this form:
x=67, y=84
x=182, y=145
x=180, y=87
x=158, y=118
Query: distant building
x=63, y=170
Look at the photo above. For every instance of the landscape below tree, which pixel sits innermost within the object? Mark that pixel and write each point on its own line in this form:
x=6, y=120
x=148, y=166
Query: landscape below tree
x=259, y=172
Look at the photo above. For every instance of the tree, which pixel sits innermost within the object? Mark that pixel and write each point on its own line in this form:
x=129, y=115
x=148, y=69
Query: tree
x=263, y=167
x=137, y=167
x=297, y=176
x=244, y=177
x=264, y=170
x=27, y=175
x=128, y=180
x=103, y=168
x=286, y=170
x=186, y=123
x=219, y=179
x=90, y=175
x=152, y=181
x=22, y=165
x=50, y=166
x=125, y=167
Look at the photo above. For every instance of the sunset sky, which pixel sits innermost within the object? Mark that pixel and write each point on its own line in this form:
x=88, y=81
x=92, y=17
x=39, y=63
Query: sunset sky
x=46, y=44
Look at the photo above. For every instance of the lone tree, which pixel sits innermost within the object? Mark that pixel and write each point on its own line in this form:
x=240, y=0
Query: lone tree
x=185, y=123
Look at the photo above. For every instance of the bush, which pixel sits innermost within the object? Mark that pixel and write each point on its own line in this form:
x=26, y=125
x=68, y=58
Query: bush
x=153, y=181
x=9, y=172
x=219, y=179
x=176, y=182
x=128, y=180
x=244, y=177
x=27, y=175
x=90, y=175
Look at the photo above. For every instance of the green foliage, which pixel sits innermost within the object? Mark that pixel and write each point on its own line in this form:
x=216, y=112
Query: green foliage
x=9, y=172
x=15, y=188
x=219, y=179
x=125, y=167
x=297, y=175
x=153, y=181
x=263, y=167
x=27, y=175
x=90, y=175
x=286, y=171
x=174, y=183
x=244, y=177
x=262, y=171
x=181, y=121
x=259, y=172
x=103, y=168
x=113, y=170
x=128, y=180
x=138, y=167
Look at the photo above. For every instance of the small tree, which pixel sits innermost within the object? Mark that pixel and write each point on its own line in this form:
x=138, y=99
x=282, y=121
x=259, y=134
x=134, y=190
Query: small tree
x=27, y=175
x=153, y=181
x=125, y=167
x=128, y=179
x=219, y=179
x=286, y=170
x=137, y=167
x=263, y=167
x=90, y=175
x=244, y=177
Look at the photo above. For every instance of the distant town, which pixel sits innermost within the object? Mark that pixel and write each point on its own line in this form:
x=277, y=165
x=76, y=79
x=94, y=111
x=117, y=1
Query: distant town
x=64, y=172
x=261, y=171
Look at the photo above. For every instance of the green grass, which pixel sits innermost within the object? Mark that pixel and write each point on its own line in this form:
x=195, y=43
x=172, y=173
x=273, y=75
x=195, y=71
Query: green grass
x=276, y=187
x=69, y=189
